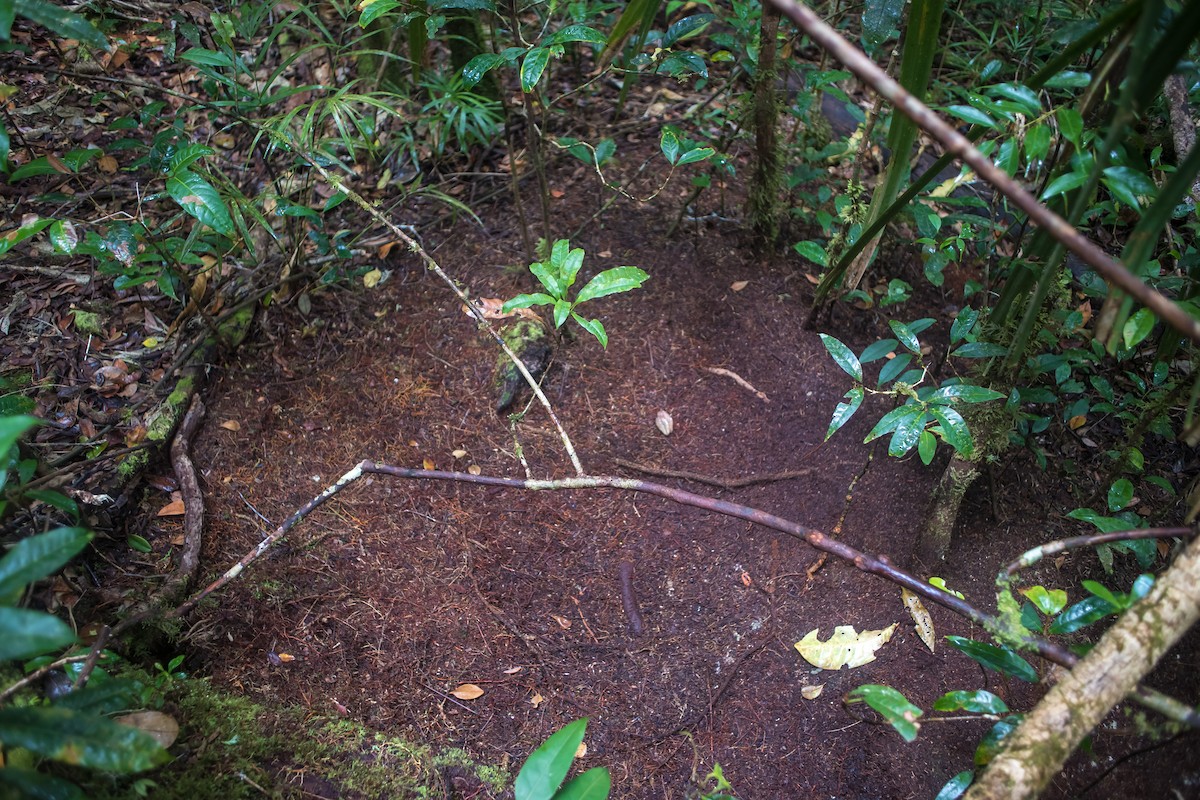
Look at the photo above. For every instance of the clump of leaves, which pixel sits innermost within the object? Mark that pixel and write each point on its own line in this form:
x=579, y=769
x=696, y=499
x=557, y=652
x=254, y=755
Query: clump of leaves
x=557, y=275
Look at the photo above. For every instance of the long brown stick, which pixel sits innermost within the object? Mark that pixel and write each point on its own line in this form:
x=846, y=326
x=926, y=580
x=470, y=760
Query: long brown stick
x=1113, y=271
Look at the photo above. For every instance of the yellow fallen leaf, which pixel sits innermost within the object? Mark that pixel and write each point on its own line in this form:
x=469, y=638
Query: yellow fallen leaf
x=536, y=700
x=812, y=692
x=428, y=464
x=231, y=425
x=920, y=615
x=285, y=657
x=372, y=278
x=459, y=453
x=846, y=647
x=474, y=469
x=467, y=691
x=161, y=727
x=581, y=751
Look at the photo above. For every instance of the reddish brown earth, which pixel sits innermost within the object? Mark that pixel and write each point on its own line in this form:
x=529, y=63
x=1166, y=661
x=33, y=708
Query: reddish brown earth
x=399, y=591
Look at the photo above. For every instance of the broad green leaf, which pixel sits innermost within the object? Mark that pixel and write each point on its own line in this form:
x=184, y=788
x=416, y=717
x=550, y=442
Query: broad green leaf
x=888, y=422
x=1119, y=494
x=525, y=301
x=558, y=255
x=845, y=410
x=1098, y=589
x=1084, y=613
x=813, y=251
x=1037, y=143
x=926, y=447
x=993, y=740
x=893, y=368
x=1064, y=183
x=187, y=155
x=570, y=268
x=1048, y=601
x=612, y=281
x=957, y=786
x=11, y=429
x=79, y=739
x=1138, y=327
x=35, y=557
x=548, y=277
x=593, y=327
x=1068, y=79
x=479, y=66
x=688, y=26
x=462, y=5
x=843, y=356
x=963, y=324
x=532, y=68
x=25, y=633
x=908, y=431
x=905, y=336
x=895, y=708
x=696, y=154
x=575, y=33
x=972, y=115
x=1105, y=524
x=669, y=143
x=207, y=58
x=374, y=9
x=37, y=785
x=545, y=769
x=1020, y=94
x=59, y=20
x=1000, y=659
x=879, y=17
x=980, y=350
x=199, y=198
x=1070, y=124
x=878, y=350
x=106, y=697
x=595, y=784
x=978, y=701
x=1030, y=619
x=965, y=393
x=562, y=309
x=63, y=236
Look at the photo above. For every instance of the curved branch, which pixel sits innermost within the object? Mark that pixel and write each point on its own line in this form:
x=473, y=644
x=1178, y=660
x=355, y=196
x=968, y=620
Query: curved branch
x=1031, y=557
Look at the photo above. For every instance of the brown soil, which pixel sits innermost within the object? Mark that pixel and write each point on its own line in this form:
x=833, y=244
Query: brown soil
x=400, y=591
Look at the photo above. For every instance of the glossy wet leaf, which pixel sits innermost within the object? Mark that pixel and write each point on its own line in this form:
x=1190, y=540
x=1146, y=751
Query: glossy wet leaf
x=956, y=787
x=1047, y=601
x=594, y=327
x=978, y=701
x=1120, y=494
x=532, y=68
x=612, y=281
x=79, y=739
x=965, y=393
x=1000, y=659
x=199, y=198
x=25, y=633
x=845, y=410
x=479, y=66
x=893, y=706
x=843, y=356
x=545, y=769
x=905, y=336
x=993, y=740
x=1086, y=612
x=595, y=784
x=35, y=557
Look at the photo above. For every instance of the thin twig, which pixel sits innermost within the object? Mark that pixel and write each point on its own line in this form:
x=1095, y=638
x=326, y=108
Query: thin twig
x=1031, y=557
x=739, y=380
x=720, y=483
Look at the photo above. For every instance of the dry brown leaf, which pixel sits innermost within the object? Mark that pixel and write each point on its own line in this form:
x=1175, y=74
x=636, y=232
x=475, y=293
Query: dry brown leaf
x=231, y=425
x=513, y=670
x=604, y=254
x=459, y=453
x=467, y=691
x=737, y=286
x=563, y=622
x=161, y=727
x=747, y=581
x=175, y=508
x=474, y=469
x=581, y=751
x=108, y=165
x=812, y=692
x=428, y=464
x=920, y=615
x=813, y=279
x=1078, y=421
x=536, y=700
x=285, y=657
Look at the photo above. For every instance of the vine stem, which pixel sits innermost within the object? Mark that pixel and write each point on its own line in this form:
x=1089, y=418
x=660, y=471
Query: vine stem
x=875, y=565
x=1033, y=556
x=415, y=247
x=1113, y=271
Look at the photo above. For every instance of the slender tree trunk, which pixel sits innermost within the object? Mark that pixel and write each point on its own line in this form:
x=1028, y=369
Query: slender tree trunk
x=766, y=179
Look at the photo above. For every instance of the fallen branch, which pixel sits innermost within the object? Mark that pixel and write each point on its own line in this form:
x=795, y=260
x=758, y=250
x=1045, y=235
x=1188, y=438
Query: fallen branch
x=874, y=565
x=720, y=483
x=193, y=505
x=1031, y=557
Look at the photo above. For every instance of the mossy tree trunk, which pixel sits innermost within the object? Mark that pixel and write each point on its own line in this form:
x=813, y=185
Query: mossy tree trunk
x=1036, y=751
x=933, y=542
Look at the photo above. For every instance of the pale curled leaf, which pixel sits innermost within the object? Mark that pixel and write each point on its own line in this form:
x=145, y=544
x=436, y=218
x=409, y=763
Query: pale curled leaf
x=920, y=615
x=846, y=647
x=812, y=692
x=664, y=422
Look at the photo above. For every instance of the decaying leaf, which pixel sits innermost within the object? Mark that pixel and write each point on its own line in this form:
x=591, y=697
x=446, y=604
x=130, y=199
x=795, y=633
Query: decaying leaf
x=536, y=700
x=920, y=615
x=581, y=751
x=459, y=453
x=161, y=727
x=563, y=622
x=737, y=286
x=846, y=647
x=428, y=464
x=467, y=691
x=491, y=308
x=812, y=692
x=474, y=469
x=372, y=278
x=174, y=508
x=231, y=425
x=664, y=422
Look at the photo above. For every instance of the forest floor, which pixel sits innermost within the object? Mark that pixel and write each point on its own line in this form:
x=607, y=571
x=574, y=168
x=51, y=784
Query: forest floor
x=382, y=603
